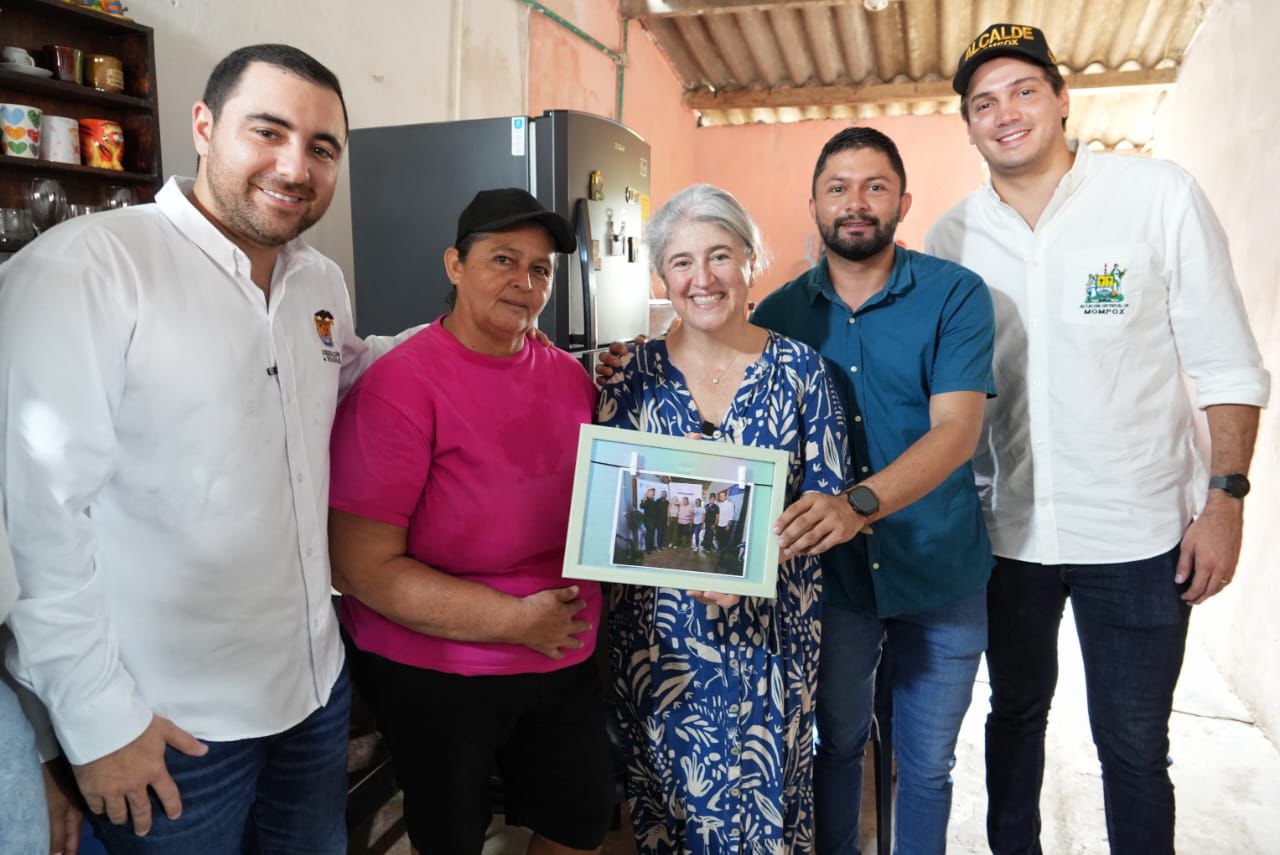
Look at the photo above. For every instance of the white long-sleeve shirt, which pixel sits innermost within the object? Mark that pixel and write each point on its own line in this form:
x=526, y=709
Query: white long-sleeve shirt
x=1125, y=284
x=35, y=712
x=166, y=458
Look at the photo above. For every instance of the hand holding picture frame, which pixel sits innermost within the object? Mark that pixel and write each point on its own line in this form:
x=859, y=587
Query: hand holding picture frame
x=623, y=527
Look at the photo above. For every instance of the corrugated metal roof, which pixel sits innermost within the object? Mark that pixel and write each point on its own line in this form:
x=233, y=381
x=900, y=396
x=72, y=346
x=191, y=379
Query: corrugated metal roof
x=745, y=61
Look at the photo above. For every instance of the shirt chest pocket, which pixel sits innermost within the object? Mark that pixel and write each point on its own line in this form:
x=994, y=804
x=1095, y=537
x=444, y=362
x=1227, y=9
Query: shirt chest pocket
x=1106, y=287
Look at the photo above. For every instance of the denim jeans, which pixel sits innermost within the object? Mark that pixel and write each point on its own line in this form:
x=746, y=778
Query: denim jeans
x=935, y=661
x=24, y=820
x=1132, y=626
x=283, y=794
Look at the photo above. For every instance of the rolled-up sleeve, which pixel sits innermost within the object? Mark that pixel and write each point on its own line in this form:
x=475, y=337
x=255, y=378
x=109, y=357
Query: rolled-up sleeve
x=1215, y=344
x=64, y=336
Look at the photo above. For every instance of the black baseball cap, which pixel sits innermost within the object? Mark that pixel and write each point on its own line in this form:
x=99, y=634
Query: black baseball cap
x=999, y=40
x=499, y=210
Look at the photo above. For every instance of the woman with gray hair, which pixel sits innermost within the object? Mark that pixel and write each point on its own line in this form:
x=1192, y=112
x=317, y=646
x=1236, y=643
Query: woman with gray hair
x=716, y=693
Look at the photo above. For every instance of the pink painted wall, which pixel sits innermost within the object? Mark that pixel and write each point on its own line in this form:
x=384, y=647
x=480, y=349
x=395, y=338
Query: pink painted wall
x=770, y=169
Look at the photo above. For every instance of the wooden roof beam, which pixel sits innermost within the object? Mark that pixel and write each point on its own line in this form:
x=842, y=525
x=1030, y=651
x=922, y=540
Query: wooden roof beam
x=884, y=93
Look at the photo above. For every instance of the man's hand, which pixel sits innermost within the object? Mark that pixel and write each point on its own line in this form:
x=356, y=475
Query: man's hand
x=549, y=618
x=540, y=337
x=614, y=358
x=1210, y=548
x=816, y=522
x=117, y=783
x=65, y=817
x=711, y=598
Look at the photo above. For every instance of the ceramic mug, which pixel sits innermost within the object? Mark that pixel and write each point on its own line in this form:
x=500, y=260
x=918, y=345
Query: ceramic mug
x=66, y=63
x=101, y=143
x=16, y=55
x=104, y=72
x=60, y=141
x=20, y=126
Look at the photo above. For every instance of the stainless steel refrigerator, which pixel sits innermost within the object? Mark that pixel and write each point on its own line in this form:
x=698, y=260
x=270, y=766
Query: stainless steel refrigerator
x=410, y=182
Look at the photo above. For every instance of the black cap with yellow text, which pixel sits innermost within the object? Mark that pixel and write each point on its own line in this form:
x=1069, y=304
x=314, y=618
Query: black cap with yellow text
x=999, y=40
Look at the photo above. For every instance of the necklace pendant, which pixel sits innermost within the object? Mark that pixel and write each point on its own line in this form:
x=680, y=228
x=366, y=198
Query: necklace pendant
x=715, y=380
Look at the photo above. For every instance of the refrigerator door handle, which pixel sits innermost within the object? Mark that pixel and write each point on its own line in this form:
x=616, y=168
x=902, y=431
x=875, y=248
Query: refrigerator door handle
x=582, y=230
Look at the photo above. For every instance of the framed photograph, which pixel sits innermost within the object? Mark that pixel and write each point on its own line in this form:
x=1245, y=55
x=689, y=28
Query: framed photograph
x=673, y=512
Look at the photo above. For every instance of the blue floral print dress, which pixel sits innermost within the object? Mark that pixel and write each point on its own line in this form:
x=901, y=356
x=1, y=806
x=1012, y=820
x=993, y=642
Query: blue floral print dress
x=716, y=706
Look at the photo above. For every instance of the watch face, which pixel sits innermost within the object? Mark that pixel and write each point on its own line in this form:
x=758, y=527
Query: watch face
x=1235, y=486
x=864, y=501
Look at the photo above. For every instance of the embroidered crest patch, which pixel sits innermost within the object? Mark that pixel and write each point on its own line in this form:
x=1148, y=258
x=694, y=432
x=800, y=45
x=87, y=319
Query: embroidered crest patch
x=1103, y=294
x=324, y=329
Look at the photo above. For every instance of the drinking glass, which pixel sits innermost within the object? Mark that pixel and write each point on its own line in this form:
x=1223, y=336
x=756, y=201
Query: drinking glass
x=48, y=203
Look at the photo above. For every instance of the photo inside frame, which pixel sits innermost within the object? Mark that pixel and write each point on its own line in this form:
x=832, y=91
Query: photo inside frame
x=622, y=530
x=680, y=522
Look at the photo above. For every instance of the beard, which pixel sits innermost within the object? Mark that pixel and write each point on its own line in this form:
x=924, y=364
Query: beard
x=240, y=215
x=859, y=247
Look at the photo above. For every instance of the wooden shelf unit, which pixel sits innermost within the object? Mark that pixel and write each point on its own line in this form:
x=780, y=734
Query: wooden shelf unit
x=31, y=24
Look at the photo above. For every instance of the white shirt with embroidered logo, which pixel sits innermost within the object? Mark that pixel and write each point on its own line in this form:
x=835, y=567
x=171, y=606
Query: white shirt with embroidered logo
x=1125, y=285
x=166, y=458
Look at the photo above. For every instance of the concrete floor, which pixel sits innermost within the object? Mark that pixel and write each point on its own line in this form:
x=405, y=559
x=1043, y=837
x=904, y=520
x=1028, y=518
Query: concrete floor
x=1225, y=771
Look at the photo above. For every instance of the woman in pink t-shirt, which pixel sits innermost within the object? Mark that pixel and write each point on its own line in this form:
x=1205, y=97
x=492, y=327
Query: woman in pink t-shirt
x=453, y=460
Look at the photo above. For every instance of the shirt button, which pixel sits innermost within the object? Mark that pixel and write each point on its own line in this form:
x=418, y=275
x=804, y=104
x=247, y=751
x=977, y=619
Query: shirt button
x=853, y=369
x=734, y=792
x=301, y=478
x=857, y=418
x=875, y=566
x=852, y=319
x=866, y=469
x=733, y=709
x=310, y=552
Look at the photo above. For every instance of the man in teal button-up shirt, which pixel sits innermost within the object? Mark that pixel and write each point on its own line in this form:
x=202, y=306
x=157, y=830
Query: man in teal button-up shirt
x=909, y=338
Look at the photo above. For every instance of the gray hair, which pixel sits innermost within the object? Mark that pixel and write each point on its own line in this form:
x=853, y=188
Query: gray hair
x=705, y=203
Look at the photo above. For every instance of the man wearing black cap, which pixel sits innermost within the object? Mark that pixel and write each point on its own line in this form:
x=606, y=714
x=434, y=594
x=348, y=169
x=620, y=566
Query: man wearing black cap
x=1112, y=280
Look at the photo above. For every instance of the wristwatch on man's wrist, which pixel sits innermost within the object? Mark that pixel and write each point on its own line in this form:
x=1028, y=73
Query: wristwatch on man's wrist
x=863, y=501
x=1236, y=486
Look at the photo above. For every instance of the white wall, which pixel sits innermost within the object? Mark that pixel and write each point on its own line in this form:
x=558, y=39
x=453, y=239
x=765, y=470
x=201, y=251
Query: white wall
x=399, y=61
x=1221, y=123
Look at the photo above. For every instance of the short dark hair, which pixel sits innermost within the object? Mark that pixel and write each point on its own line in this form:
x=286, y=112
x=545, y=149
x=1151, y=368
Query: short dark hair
x=227, y=73
x=1051, y=75
x=464, y=249
x=856, y=137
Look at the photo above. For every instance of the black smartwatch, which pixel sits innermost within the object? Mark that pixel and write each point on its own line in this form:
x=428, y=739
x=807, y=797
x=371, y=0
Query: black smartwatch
x=863, y=500
x=1236, y=486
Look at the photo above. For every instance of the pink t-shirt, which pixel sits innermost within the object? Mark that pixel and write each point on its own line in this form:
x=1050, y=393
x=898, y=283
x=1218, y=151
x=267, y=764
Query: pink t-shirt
x=474, y=455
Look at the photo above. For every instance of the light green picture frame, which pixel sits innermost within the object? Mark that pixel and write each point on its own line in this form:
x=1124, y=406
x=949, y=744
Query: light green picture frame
x=606, y=544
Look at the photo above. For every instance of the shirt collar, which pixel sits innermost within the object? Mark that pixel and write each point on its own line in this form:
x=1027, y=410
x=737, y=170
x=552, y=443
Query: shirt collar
x=174, y=201
x=900, y=279
x=1081, y=167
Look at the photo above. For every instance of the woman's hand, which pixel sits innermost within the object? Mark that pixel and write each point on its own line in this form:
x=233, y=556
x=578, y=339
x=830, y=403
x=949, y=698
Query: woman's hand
x=816, y=522
x=711, y=598
x=550, y=622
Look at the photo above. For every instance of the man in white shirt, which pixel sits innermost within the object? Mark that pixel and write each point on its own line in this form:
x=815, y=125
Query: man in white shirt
x=168, y=379
x=1112, y=281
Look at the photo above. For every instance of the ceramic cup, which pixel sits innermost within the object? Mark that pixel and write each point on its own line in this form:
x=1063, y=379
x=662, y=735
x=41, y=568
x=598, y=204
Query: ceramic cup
x=16, y=55
x=101, y=143
x=104, y=72
x=20, y=125
x=66, y=63
x=60, y=140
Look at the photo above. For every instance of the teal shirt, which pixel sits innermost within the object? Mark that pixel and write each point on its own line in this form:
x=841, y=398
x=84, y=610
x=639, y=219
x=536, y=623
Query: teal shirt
x=930, y=330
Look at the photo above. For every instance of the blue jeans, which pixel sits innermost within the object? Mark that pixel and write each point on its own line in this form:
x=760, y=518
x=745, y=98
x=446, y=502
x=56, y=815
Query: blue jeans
x=1132, y=626
x=283, y=794
x=24, y=819
x=935, y=661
